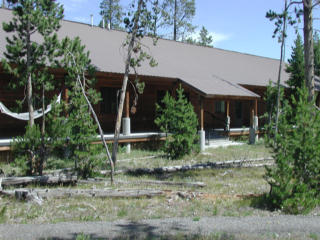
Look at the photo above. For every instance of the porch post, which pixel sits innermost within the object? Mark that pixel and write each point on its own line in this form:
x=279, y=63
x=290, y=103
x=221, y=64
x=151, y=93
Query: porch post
x=202, y=132
x=126, y=129
x=228, y=118
x=253, y=132
x=255, y=122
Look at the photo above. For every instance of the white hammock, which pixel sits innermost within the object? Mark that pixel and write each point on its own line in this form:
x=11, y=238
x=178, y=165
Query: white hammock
x=25, y=116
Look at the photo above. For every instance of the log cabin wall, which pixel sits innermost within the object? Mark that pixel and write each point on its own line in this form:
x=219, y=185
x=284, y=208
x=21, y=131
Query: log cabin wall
x=143, y=118
x=143, y=115
x=262, y=109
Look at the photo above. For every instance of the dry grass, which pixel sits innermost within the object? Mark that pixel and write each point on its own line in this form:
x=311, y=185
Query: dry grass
x=228, y=192
x=219, y=197
x=138, y=159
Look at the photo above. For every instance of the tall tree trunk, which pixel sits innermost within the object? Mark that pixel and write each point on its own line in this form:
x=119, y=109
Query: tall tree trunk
x=308, y=48
x=3, y=3
x=110, y=15
x=155, y=20
x=124, y=83
x=29, y=84
x=43, y=110
x=283, y=37
x=99, y=128
x=175, y=21
x=43, y=146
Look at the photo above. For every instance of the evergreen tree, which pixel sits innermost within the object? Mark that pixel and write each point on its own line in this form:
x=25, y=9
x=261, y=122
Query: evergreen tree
x=271, y=102
x=296, y=67
x=179, y=15
x=204, y=38
x=157, y=17
x=26, y=59
x=79, y=124
x=294, y=180
x=178, y=119
x=111, y=12
x=29, y=61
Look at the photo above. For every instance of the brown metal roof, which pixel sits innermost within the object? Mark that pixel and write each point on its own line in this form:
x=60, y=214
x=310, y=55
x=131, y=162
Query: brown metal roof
x=212, y=71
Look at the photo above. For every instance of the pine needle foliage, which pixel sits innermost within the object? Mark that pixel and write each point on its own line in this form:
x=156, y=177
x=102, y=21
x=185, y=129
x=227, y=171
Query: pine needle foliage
x=28, y=61
x=295, y=178
x=178, y=119
x=271, y=107
x=296, y=68
x=80, y=127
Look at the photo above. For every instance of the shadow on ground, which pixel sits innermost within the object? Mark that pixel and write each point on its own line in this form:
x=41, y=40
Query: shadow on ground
x=130, y=231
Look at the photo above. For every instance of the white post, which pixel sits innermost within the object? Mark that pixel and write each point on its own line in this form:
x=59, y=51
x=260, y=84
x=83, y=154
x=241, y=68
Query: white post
x=228, y=125
x=202, y=135
x=126, y=130
x=256, y=126
x=253, y=135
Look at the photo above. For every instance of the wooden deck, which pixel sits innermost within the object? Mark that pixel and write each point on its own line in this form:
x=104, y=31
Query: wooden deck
x=132, y=138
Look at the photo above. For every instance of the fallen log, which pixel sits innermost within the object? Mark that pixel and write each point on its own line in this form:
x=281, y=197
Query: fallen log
x=200, y=166
x=140, y=158
x=27, y=195
x=46, y=179
x=151, y=182
x=100, y=193
x=59, y=171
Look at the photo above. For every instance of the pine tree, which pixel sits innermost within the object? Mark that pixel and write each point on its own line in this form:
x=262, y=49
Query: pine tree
x=111, y=12
x=29, y=61
x=177, y=118
x=79, y=124
x=296, y=67
x=294, y=180
x=157, y=17
x=25, y=57
x=204, y=38
x=179, y=14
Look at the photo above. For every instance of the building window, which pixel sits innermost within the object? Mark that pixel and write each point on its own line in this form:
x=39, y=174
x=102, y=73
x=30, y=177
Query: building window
x=220, y=106
x=109, y=103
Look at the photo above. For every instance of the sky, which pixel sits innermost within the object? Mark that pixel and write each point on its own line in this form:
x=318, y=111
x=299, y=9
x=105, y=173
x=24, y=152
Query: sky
x=236, y=25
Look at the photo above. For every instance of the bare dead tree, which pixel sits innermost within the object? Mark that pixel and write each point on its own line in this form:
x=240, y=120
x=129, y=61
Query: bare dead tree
x=281, y=23
x=139, y=22
x=283, y=40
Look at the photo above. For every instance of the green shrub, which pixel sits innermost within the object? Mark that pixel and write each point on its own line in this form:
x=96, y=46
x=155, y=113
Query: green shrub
x=178, y=118
x=295, y=179
x=31, y=150
x=26, y=150
x=81, y=133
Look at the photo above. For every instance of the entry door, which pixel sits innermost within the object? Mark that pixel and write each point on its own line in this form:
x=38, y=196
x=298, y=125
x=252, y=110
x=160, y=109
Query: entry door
x=238, y=114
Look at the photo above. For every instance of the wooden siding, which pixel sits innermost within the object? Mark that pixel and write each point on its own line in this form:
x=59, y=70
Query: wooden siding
x=143, y=119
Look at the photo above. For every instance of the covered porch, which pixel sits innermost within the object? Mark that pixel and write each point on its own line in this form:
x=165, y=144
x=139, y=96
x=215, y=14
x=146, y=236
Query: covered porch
x=223, y=117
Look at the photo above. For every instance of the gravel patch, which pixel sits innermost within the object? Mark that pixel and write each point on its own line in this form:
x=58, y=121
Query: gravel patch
x=253, y=227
